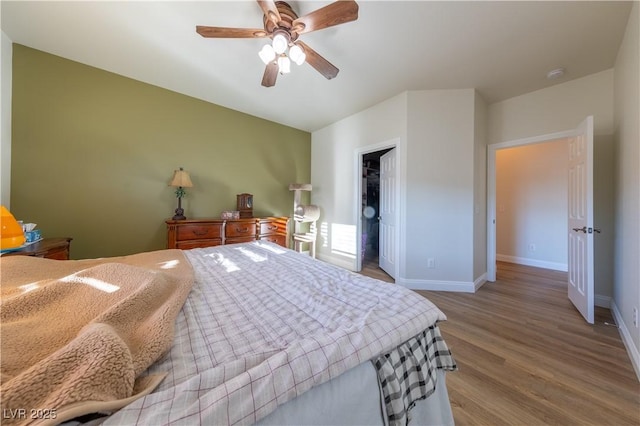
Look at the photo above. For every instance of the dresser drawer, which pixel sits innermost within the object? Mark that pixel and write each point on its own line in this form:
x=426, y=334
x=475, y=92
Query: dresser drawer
x=275, y=238
x=199, y=231
x=240, y=240
x=190, y=244
x=240, y=229
x=272, y=227
x=58, y=253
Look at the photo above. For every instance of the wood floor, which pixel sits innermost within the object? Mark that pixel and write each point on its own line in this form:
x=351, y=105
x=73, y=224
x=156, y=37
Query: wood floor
x=526, y=356
x=371, y=269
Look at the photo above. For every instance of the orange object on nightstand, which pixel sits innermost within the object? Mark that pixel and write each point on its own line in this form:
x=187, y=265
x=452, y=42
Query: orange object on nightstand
x=11, y=233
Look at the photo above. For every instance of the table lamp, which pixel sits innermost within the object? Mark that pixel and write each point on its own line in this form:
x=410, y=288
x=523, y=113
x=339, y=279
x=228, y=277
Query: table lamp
x=180, y=180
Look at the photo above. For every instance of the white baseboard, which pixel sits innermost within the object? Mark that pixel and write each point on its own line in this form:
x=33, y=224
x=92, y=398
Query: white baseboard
x=533, y=262
x=346, y=263
x=435, y=285
x=479, y=282
x=632, y=350
x=602, y=301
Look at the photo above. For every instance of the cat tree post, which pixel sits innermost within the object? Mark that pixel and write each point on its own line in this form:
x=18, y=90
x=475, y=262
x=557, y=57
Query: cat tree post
x=301, y=214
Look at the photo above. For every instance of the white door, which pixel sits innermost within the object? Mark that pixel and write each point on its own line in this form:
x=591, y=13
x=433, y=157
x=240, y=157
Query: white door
x=387, y=229
x=581, y=226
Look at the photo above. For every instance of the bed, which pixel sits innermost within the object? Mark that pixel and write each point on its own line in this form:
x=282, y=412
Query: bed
x=248, y=333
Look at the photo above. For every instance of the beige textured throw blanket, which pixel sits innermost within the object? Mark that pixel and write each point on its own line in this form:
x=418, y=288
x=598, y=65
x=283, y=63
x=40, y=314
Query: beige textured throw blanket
x=76, y=335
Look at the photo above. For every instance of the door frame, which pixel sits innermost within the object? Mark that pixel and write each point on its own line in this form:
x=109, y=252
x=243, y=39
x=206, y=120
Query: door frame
x=491, y=189
x=359, y=158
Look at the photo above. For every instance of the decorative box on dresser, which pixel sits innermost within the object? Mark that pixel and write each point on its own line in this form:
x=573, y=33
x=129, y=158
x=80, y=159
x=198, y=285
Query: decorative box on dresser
x=193, y=233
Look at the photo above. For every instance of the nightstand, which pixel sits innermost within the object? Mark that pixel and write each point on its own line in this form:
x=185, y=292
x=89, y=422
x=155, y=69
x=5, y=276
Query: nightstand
x=49, y=248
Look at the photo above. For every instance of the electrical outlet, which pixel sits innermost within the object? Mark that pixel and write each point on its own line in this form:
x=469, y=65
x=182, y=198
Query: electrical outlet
x=431, y=263
x=635, y=317
x=532, y=247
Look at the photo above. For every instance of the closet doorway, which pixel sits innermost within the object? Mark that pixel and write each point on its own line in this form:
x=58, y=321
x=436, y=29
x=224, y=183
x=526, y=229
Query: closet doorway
x=377, y=225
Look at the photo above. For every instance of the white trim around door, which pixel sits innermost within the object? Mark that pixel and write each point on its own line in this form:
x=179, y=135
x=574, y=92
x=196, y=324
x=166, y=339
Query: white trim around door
x=491, y=189
x=358, y=158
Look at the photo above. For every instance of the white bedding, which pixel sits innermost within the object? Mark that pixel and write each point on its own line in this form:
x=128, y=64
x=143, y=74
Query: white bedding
x=353, y=398
x=263, y=325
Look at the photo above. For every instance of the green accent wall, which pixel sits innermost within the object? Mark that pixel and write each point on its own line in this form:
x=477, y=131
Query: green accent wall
x=93, y=153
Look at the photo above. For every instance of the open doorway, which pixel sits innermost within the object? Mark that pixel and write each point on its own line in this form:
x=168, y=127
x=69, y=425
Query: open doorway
x=492, y=206
x=580, y=220
x=371, y=206
x=377, y=197
x=532, y=204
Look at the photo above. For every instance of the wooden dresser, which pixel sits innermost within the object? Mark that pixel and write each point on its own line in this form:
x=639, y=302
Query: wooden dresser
x=50, y=248
x=193, y=233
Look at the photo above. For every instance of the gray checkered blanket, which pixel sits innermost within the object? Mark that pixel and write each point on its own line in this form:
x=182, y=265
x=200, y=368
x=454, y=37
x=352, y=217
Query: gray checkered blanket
x=408, y=373
x=262, y=325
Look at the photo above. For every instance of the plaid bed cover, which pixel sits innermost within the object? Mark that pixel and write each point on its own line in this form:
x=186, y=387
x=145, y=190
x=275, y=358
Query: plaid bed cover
x=264, y=324
x=408, y=373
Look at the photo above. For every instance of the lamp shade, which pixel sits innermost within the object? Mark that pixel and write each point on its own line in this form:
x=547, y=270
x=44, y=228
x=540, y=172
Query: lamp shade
x=280, y=43
x=267, y=54
x=181, y=179
x=284, y=65
x=297, y=55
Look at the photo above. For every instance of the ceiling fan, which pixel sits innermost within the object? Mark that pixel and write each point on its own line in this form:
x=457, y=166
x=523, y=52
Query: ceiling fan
x=283, y=26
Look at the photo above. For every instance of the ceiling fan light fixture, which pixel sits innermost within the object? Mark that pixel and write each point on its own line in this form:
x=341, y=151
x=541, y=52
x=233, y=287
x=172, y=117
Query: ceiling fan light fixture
x=280, y=43
x=284, y=64
x=267, y=54
x=283, y=27
x=297, y=55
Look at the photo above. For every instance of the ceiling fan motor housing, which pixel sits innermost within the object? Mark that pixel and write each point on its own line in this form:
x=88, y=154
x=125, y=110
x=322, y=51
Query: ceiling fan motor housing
x=272, y=25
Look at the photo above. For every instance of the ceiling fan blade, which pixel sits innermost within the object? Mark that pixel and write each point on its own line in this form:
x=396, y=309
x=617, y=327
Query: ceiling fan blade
x=321, y=65
x=221, y=32
x=270, y=10
x=336, y=13
x=270, y=74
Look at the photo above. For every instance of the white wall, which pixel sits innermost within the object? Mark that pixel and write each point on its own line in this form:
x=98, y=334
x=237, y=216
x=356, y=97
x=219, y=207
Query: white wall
x=333, y=173
x=604, y=217
x=531, y=204
x=554, y=109
x=6, y=53
x=441, y=163
x=480, y=192
x=560, y=108
x=627, y=192
x=440, y=186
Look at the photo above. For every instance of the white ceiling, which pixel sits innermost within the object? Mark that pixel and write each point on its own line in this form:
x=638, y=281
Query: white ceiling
x=503, y=49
